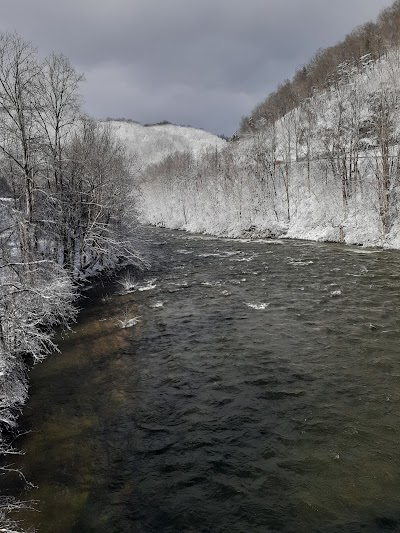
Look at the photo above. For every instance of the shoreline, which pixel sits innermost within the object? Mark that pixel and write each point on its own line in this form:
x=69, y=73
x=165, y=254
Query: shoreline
x=260, y=235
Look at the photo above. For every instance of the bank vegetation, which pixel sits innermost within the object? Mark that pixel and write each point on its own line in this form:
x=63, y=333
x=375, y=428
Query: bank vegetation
x=64, y=184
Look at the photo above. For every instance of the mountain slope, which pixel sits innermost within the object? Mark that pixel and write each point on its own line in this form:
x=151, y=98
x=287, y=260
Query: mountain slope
x=151, y=144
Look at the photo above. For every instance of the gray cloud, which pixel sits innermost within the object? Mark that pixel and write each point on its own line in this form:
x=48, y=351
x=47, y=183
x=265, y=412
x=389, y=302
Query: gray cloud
x=203, y=62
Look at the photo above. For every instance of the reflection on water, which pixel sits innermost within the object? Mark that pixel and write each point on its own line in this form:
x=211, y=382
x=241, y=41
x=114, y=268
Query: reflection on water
x=259, y=391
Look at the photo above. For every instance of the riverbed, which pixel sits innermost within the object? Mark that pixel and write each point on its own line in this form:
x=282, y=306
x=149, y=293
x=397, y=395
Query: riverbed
x=257, y=389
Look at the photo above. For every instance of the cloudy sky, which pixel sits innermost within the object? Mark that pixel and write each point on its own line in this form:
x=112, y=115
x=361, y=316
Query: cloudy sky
x=201, y=62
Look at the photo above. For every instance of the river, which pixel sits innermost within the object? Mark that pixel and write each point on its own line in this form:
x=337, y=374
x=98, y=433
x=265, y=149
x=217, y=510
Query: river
x=259, y=391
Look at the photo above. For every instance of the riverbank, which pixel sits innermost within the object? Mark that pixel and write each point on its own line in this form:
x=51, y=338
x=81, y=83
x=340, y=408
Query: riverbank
x=47, y=312
x=319, y=235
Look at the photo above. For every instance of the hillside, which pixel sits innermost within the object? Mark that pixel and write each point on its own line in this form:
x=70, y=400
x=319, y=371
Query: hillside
x=327, y=170
x=318, y=161
x=151, y=144
x=323, y=71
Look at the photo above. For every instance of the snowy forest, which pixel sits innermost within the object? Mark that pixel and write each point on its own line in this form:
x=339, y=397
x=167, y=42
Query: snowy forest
x=318, y=159
x=65, y=180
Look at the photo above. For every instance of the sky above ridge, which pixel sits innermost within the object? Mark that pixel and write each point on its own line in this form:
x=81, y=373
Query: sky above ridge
x=205, y=63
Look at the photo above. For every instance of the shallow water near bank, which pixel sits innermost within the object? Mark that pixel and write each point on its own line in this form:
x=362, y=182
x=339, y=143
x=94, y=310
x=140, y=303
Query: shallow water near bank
x=258, y=391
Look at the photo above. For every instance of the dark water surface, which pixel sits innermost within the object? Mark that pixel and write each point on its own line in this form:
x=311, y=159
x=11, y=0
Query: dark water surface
x=259, y=391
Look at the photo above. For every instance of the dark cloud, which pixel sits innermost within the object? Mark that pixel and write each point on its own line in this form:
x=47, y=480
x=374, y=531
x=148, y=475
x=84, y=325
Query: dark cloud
x=203, y=62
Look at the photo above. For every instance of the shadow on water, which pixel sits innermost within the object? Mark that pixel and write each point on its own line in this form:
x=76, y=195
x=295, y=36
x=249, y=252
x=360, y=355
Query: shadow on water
x=259, y=391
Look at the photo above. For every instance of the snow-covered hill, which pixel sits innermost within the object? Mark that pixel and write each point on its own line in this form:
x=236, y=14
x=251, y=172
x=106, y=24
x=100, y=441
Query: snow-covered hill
x=328, y=170
x=152, y=144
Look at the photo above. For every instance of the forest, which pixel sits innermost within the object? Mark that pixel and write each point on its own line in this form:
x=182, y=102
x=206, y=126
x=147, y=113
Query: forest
x=65, y=180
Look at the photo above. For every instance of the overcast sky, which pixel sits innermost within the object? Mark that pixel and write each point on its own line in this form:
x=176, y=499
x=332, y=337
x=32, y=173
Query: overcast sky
x=205, y=63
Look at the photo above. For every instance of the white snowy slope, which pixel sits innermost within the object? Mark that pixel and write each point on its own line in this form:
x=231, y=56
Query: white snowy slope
x=151, y=144
x=329, y=170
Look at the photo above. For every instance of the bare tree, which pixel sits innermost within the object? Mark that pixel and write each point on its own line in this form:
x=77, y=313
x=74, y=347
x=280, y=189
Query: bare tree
x=19, y=138
x=99, y=183
x=57, y=113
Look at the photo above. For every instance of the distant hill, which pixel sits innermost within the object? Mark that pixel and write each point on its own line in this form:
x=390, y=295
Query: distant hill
x=152, y=143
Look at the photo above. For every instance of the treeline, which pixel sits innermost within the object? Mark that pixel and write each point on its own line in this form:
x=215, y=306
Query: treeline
x=64, y=217
x=366, y=43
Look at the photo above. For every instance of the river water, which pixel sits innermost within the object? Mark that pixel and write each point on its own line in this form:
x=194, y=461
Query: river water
x=259, y=391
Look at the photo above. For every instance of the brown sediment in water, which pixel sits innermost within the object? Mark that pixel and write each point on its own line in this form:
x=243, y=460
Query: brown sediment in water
x=64, y=438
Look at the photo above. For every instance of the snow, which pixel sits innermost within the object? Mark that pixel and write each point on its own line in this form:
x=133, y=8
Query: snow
x=271, y=184
x=149, y=145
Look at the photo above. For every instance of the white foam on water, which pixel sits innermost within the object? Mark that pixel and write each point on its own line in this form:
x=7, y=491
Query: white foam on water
x=212, y=254
x=184, y=252
x=244, y=259
x=358, y=251
x=156, y=305
x=300, y=263
x=259, y=306
x=217, y=283
x=336, y=293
